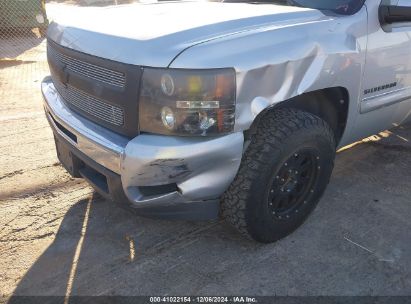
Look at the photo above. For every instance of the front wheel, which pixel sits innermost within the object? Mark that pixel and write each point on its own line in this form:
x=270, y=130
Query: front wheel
x=283, y=175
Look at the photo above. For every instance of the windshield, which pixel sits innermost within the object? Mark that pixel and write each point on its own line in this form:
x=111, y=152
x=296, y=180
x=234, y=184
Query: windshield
x=346, y=7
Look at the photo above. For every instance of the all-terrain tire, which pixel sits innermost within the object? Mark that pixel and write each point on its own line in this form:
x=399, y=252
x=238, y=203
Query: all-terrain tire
x=280, y=135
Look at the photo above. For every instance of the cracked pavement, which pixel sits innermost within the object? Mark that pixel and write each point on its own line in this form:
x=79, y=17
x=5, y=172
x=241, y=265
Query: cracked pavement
x=57, y=237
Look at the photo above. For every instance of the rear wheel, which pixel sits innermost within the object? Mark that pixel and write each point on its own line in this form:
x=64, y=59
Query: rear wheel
x=284, y=173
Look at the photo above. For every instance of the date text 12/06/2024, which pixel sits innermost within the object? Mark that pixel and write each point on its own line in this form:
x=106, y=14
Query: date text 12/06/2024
x=176, y=299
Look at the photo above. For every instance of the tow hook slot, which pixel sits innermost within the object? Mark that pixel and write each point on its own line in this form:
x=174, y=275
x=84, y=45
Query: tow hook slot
x=150, y=191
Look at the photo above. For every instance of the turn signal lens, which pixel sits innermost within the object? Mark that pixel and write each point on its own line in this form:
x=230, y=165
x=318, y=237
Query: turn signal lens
x=185, y=104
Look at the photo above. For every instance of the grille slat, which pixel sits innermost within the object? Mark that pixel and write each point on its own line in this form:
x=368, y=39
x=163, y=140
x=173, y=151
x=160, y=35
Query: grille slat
x=91, y=105
x=89, y=70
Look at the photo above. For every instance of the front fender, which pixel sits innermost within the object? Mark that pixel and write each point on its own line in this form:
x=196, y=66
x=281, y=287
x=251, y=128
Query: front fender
x=281, y=61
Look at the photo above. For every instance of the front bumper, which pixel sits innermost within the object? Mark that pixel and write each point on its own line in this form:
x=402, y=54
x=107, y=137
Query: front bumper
x=162, y=176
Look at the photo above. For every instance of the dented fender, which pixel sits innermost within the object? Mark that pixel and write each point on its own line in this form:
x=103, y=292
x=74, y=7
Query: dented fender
x=280, y=61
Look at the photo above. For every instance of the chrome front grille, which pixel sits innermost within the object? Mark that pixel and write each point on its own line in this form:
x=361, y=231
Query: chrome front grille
x=89, y=70
x=91, y=105
x=101, y=90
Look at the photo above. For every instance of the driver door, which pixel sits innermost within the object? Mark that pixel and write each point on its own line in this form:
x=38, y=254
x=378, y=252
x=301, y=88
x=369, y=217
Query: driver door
x=386, y=94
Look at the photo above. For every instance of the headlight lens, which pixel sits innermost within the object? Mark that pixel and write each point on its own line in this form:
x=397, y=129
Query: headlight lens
x=187, y=102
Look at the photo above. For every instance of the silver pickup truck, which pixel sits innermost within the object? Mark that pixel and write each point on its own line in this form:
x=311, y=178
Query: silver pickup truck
x=194, y=110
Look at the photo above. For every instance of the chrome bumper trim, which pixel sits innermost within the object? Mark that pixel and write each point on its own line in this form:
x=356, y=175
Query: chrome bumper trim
x=102, y=145
x=201, y=168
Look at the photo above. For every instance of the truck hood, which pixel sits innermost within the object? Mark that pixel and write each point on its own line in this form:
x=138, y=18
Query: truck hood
x=154, y=34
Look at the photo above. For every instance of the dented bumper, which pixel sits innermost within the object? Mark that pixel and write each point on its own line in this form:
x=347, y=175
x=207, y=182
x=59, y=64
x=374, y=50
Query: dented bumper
x=164, y=176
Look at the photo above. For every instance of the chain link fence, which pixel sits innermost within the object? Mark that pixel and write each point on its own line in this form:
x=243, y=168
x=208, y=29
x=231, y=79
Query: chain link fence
x=23, y=24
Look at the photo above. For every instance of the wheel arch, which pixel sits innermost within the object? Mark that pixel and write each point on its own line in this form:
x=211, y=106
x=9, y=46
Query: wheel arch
x=330, y=104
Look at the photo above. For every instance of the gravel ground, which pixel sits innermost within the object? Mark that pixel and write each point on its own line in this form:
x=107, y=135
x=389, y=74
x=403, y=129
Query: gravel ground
x=57, y=237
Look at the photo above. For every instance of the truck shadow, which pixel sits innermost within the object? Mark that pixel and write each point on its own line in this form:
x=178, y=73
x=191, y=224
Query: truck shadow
x=99, y=247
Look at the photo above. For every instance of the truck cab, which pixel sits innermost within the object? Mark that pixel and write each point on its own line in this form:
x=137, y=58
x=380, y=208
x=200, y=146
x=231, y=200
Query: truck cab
x=195, y=110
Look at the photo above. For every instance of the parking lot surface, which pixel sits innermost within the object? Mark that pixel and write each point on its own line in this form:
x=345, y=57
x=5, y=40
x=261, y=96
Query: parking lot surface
x=57, y=237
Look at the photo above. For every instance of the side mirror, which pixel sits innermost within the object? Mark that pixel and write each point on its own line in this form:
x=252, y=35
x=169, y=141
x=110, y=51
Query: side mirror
x=389, y=14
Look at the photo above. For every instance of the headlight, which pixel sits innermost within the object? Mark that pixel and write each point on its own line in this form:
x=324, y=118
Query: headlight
x=187, y=102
